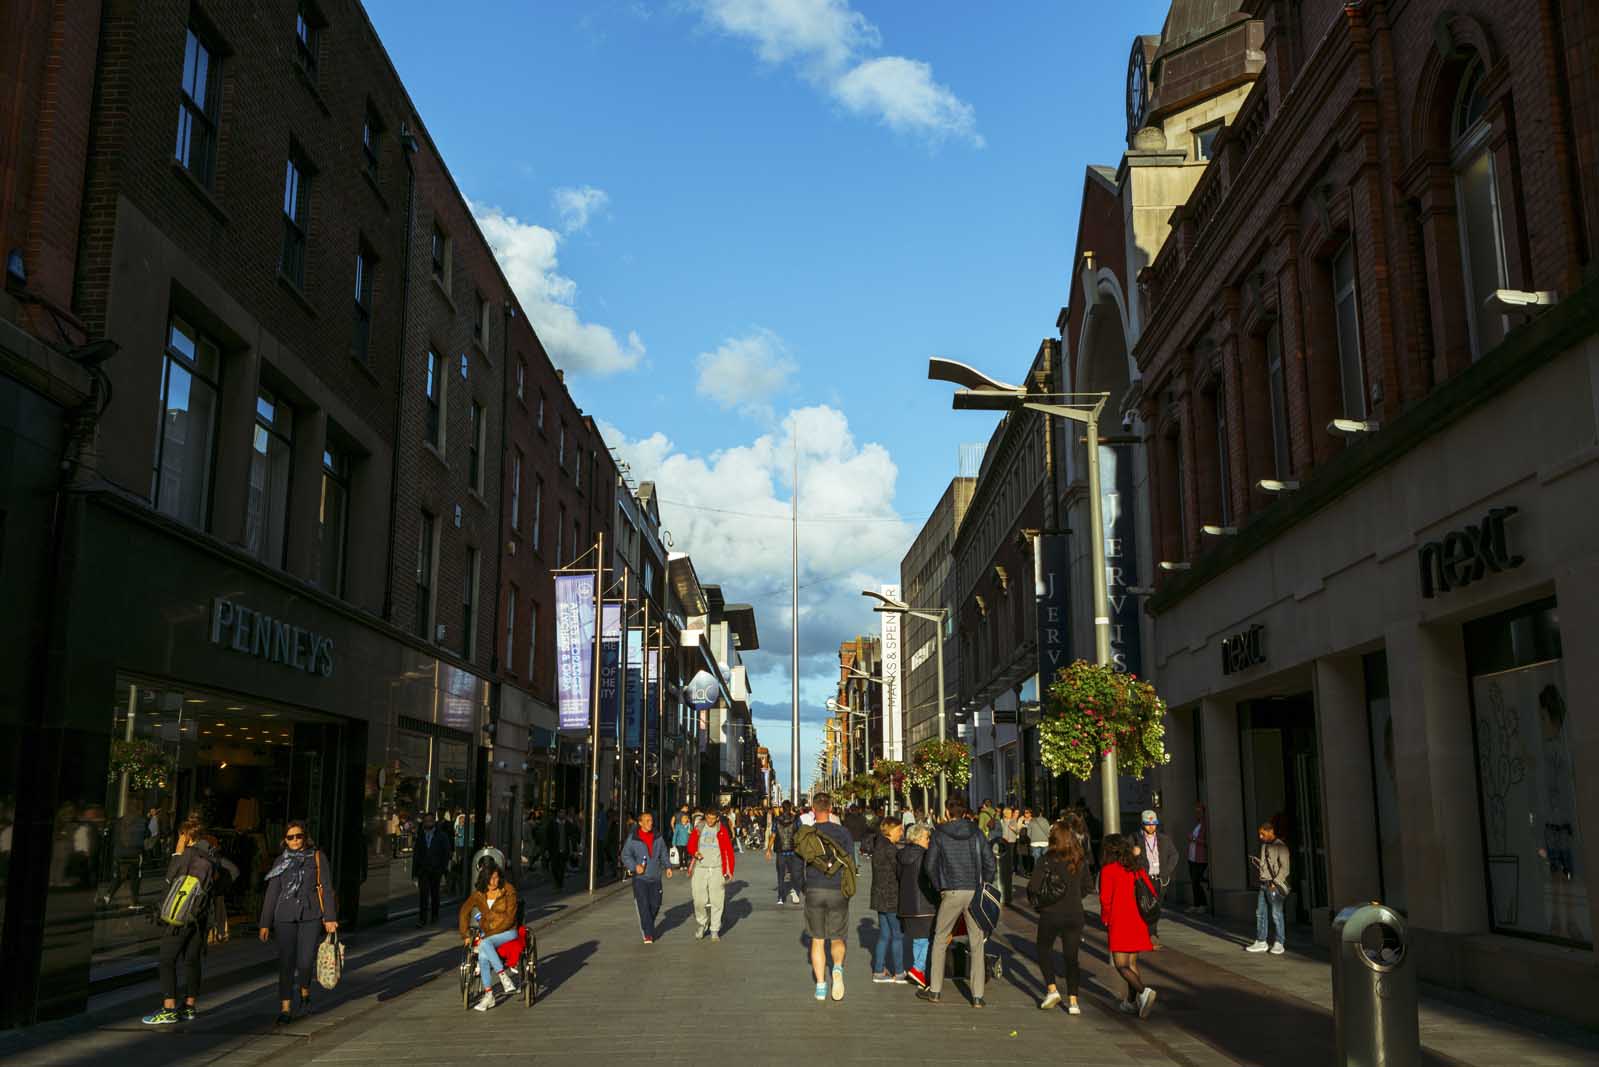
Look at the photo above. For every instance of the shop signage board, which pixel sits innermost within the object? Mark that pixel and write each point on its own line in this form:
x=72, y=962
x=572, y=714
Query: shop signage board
x=610, y=668
x=893, y=624
x=1243, y=650
x=703, y=692
x=1117, y=496
x=1052, y=591
x=574, y=648
x=1467, y=555
x=252, y=633
x=635, y=686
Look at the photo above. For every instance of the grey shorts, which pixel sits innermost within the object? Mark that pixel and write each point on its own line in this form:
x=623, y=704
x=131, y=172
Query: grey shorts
x=827, y=914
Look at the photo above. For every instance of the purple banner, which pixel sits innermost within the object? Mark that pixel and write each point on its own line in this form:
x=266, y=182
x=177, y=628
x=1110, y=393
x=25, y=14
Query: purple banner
x=610, y=667
x=574, y=648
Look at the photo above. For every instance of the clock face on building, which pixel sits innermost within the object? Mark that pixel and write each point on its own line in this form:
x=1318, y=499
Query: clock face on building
x=1137, y=91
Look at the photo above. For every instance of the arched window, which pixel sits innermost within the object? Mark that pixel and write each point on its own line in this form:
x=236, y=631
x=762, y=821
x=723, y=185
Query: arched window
x=1482, y=241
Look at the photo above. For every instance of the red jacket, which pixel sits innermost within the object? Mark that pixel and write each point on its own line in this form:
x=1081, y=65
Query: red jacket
x=1118, y=909
x=724, y=846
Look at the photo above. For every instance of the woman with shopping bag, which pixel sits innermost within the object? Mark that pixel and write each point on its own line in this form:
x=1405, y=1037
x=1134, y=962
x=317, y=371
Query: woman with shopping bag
x=299, y=907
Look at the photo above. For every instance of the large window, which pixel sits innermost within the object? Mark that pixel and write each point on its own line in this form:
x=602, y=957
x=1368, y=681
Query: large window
x=426, y=531
x=197, y=110
x=1282, y=463
x=307, y=37
x=266, y=517
x=1482, y=239
x=296, y=215
x=1385, y=780
x=1346, y=310
x=333, y=519
x=1526, y=772
x=182, y=481
x=433, y=390
x=469, y=578
x=474, y=445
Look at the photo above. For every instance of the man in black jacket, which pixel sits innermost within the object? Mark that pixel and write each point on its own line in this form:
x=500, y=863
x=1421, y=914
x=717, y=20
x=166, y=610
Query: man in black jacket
x=430, y=861
x=959, y=862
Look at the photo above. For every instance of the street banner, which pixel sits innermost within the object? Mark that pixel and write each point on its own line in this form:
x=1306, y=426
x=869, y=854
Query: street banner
x=1117, y=497
x=634, y=673
x=610, y=668
x=574, y=648
x=893, y=718
x=1054, y=606
x=652, y=704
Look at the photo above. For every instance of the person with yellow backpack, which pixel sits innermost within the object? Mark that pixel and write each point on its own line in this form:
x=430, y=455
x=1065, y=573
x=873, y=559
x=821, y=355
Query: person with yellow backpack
x=828, y=852
x=195, y=874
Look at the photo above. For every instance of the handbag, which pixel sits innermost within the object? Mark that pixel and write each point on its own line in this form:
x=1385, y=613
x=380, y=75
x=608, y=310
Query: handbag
x=1051, y=890
x=1148, y=901
x=674, y=857
x=987, y=904
x=329, y=961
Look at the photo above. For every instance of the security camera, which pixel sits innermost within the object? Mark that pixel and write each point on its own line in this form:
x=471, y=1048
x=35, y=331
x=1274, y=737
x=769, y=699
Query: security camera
x=1127, y=422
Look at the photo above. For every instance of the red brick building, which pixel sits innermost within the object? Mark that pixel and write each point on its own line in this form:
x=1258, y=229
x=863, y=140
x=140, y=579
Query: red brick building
x=1362, y=341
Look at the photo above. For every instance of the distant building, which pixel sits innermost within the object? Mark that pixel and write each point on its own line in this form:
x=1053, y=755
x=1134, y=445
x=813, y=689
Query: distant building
x=925, y=583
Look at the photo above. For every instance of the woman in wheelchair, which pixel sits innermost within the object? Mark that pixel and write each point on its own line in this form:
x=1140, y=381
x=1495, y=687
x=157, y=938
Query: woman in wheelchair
x=489, y=919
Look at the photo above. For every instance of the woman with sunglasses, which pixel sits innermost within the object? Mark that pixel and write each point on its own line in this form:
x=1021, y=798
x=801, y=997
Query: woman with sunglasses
x=299, y=905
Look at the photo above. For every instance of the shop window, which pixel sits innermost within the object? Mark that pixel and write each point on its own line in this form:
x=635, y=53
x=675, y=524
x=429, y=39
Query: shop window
x=243, y=766
x=1537, y=880
x=427, y=531
x=197, y=109
x=1385, y=780
x=1276, y=384
x=1346, y=313
x=1482, y=239
x=333, y=517
x=185, y=445
x=267, y=503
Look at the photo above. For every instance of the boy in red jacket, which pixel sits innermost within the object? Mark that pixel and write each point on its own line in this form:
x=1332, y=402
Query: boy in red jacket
x=710, y=868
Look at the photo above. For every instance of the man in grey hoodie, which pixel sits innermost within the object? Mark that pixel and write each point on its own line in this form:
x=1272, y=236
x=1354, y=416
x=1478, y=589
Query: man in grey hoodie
x=959, y=861
x=1271, y=868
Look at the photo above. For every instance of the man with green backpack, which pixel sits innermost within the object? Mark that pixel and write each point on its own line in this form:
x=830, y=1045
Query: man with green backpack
x=828, y=852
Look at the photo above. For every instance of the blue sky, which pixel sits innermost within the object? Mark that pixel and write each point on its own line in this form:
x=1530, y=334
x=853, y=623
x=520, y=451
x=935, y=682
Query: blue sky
x=738, y=221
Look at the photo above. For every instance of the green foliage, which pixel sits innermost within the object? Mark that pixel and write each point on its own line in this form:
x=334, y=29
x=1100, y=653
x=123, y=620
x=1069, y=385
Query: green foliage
x=1092, y=710
x=145, y=764
x=933, y=756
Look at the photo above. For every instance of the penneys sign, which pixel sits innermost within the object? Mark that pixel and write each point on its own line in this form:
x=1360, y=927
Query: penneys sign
x=236, y=627
x=1467, y=555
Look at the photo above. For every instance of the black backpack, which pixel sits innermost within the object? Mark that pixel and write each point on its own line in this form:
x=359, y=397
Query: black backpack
x=783, y=833
x=189, y=892
x=1051, y=887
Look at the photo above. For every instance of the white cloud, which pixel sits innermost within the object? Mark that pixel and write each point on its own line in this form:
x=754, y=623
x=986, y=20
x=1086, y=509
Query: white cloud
x=577, y=205
x=828, y=40
x=903, y=95
x=850, y=536
x=746, y=372
x=527, y=254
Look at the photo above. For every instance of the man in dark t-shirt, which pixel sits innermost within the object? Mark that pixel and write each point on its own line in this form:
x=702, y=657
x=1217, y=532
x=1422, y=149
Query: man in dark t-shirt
x=826, y=906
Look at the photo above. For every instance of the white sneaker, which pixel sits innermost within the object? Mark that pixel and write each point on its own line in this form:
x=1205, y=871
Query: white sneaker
x=1051, y=999
x=1073, y=1009
x=838, y=983
x=1277, y=949
x=1258, y=946
x=793, y=897
x=699, y=935
x=506, y=983
x=486, y=1001
x=1146, y=1000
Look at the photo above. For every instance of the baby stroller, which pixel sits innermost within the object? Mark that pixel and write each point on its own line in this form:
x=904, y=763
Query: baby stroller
x=520, y=956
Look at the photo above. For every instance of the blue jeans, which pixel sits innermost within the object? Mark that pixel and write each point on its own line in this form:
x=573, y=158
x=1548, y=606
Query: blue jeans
x=1274, y=902
x=488, y=960
x=919, y=946
x=790, y=875
x=890, y=947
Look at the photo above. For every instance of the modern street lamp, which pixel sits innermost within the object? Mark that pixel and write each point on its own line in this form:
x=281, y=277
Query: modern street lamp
x=836, y=708
x=877, y=678
x=982, y=393
x=889, y=605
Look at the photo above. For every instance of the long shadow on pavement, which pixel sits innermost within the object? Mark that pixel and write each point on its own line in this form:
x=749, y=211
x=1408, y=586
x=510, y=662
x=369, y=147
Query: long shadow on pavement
x=556, y=968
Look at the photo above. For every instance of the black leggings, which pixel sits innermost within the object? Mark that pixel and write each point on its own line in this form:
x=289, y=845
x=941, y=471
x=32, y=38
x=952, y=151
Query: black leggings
x=185, y=945
x=1070, y=932
x=296, y=949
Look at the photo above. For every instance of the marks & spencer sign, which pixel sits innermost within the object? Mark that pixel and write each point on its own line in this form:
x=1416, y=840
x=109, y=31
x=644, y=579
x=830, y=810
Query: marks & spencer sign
x=251, y=633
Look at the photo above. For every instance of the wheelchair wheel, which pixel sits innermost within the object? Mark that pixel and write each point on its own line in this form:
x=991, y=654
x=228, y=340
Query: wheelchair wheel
x=530, y=972
x=466, y=979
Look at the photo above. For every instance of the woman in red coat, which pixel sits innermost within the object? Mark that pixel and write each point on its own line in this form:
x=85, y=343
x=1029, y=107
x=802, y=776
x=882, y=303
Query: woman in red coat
x=1118, y=910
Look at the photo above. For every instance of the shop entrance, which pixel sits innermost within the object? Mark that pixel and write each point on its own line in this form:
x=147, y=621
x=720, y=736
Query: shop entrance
x=1282, y=785
x=245, y=766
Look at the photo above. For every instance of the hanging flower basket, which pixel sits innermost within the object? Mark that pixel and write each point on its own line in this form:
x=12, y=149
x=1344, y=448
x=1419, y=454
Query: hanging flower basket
x=1092, y=709
x=951, y=757
x=146, y=766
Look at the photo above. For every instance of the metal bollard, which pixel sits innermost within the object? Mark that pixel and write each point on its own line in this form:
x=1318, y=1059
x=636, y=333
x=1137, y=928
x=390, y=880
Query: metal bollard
x=1375, y=998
